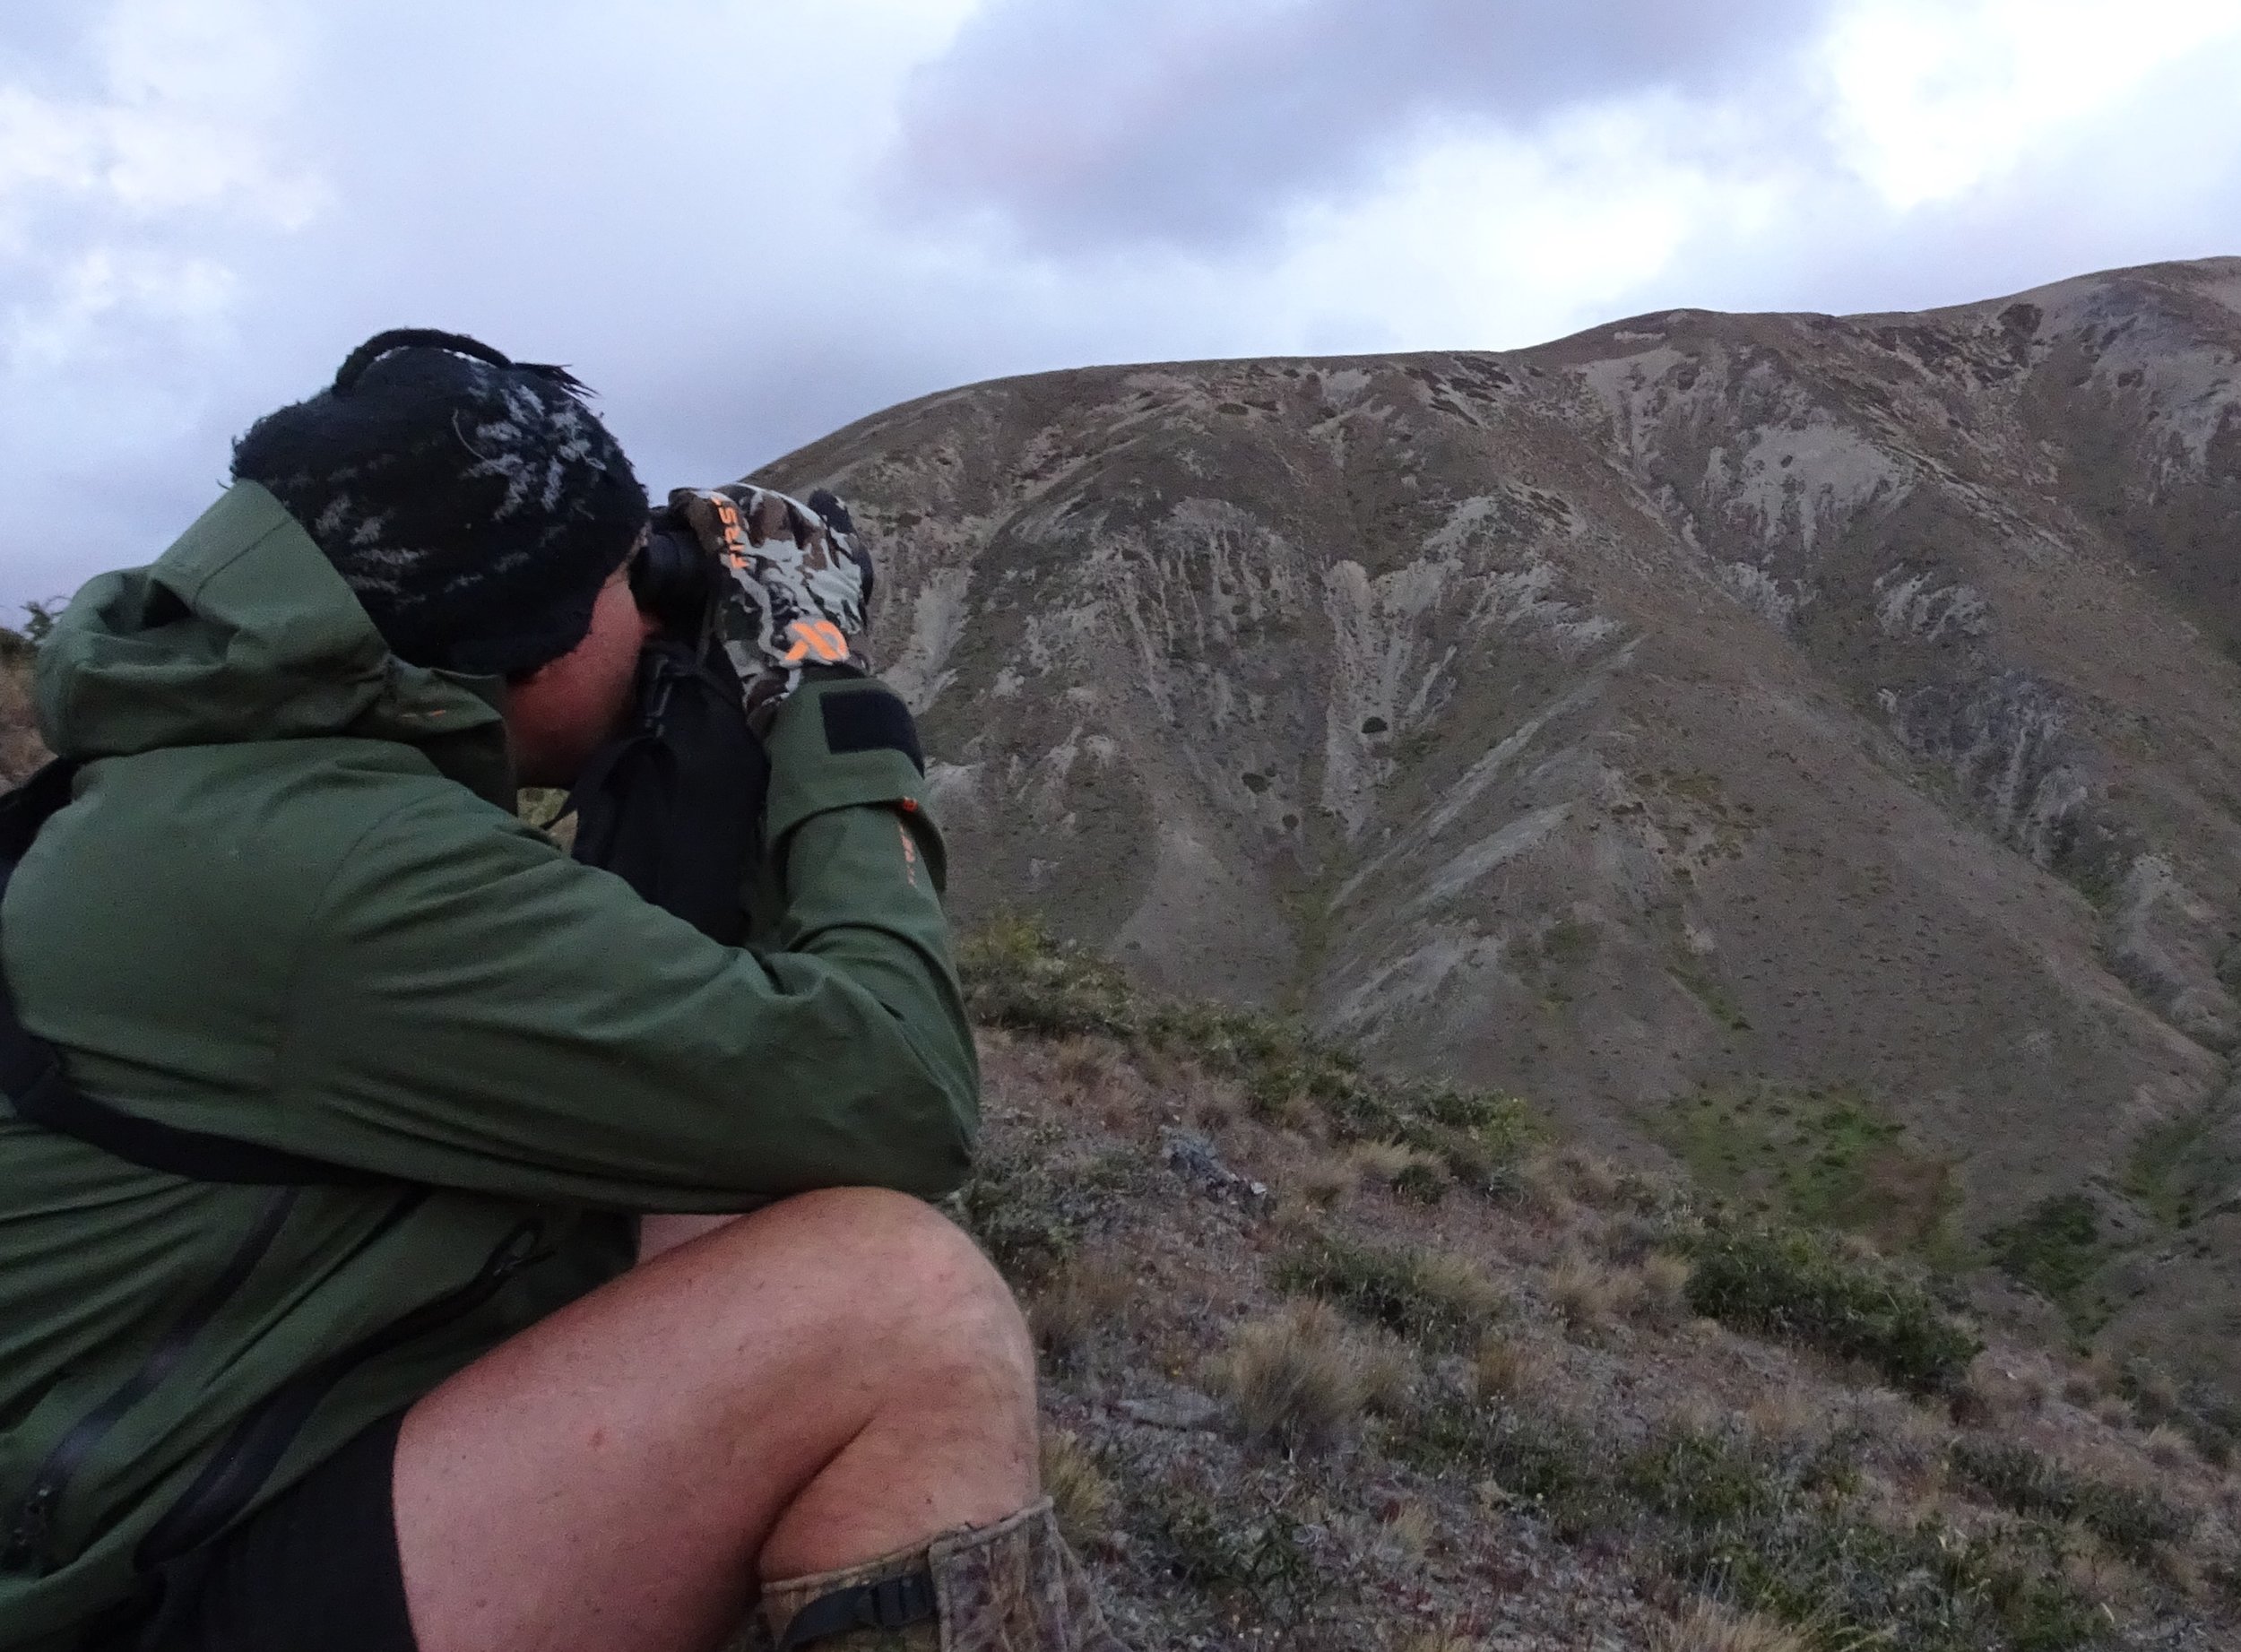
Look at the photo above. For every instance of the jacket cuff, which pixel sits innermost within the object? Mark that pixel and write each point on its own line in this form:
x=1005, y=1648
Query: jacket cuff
x=837, y=741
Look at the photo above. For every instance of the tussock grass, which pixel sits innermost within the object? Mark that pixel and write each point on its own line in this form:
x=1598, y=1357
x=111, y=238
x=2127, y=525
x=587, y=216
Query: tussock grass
x=1707, y=1626
x=1089, y=1297
x=1303, y=1376
x=1410, y=1171
x=1587, y=1295
x=1081, y=1495
x=1662, y=1301
x=1504, y=1368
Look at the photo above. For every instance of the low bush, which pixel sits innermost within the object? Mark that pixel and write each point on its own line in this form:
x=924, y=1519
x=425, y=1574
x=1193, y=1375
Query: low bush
x=1539, y=1458
x=1806, y=1288
x=2056, y=1250
x=1703, y=1478
x=1216, y=1539
x=1030, y=1208
x=1928, y=1588
x=1763, y=1528
x=2131, y=1521
x=1433, y=1299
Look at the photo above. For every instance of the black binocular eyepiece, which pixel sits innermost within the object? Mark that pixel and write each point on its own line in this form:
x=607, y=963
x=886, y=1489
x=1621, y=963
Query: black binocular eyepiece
x=675, y=582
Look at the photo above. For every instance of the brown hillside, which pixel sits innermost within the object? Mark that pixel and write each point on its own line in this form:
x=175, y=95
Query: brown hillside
x=1804, y=748
x=1334, y=1362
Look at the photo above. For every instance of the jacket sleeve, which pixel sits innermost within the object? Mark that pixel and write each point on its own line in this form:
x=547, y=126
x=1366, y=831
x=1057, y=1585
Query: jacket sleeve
x=478, y=1011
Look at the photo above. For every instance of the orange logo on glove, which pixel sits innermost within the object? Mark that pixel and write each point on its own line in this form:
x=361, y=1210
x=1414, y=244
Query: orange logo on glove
x=820, y=639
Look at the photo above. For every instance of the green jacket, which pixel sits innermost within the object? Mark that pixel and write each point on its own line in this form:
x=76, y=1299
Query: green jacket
x=290, y=905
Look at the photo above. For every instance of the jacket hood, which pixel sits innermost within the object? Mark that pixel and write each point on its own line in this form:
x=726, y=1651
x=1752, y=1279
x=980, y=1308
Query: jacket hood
x=243, y=631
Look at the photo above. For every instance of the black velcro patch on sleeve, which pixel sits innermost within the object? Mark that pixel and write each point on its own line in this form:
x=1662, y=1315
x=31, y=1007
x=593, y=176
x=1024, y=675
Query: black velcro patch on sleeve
x=870, y=720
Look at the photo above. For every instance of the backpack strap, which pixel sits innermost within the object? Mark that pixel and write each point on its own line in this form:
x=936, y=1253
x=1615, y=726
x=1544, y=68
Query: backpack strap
x=31, y=1075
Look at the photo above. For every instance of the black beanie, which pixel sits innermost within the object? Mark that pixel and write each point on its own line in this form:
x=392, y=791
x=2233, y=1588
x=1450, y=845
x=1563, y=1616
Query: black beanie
x=474, y=504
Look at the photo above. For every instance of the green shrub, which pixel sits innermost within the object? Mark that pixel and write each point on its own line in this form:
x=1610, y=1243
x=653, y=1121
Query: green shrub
x=1760, y=1528
x=1430, y=1298
x=1930, y=1588
x=1802, y=1287
x=2131, y=1522
x=1029, y=1209
x=2056, y=1250
x=1541, y=1458
x=1702, y=1478
x=1218, y=1541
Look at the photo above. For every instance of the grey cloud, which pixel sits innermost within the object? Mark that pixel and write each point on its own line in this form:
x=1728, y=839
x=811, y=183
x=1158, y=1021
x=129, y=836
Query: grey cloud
x=1090, y=123
x=538, y=173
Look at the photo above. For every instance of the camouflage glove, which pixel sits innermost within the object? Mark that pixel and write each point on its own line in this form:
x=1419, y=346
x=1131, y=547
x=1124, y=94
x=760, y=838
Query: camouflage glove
x=800, y=583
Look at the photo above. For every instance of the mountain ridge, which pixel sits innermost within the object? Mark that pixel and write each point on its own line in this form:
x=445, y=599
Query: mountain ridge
x=1758, y=708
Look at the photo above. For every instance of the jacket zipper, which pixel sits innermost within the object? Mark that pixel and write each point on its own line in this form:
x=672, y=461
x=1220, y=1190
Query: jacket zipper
x=242, y=1463
x=31, y=1523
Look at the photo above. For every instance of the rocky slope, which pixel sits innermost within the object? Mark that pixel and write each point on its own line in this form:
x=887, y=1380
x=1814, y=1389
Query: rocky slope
x=1806, y=747
x=1334, y=1363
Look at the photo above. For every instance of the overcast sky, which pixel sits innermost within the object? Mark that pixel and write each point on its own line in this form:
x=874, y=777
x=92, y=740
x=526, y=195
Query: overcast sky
x=747, y=223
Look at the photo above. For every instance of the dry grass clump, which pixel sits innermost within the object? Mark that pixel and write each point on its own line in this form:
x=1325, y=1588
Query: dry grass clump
x=1786, y=1416
x=1081, y=1495
x=2001, y=1386
x=1094, y=1077
x=2113, y=1411
x=1592, y=1180
x=1662, y=1301
x=1325, y=1182
x=1544, y=1189
x=1090, y=1297
x=1302, y=1377
x=1707, y=1626
x=2168, y=1447
x=2094, y=1569
x=1508, y=1370
x=1406, y=1530
x=2089, y=1383
x=1587, y=1295
x=1408, y=1171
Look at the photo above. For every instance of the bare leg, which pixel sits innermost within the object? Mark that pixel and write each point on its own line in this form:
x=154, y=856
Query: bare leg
x=660, y=1233
x=834, y=1378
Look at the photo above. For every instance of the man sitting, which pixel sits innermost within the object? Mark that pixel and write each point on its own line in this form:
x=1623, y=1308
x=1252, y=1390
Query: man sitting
x=327, y=1314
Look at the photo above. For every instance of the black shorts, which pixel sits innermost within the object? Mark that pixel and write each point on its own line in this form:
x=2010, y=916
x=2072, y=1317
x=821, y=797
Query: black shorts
x=317, y=1567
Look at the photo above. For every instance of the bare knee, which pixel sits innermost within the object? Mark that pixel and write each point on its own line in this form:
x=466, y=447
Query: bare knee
x=888, y=1286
